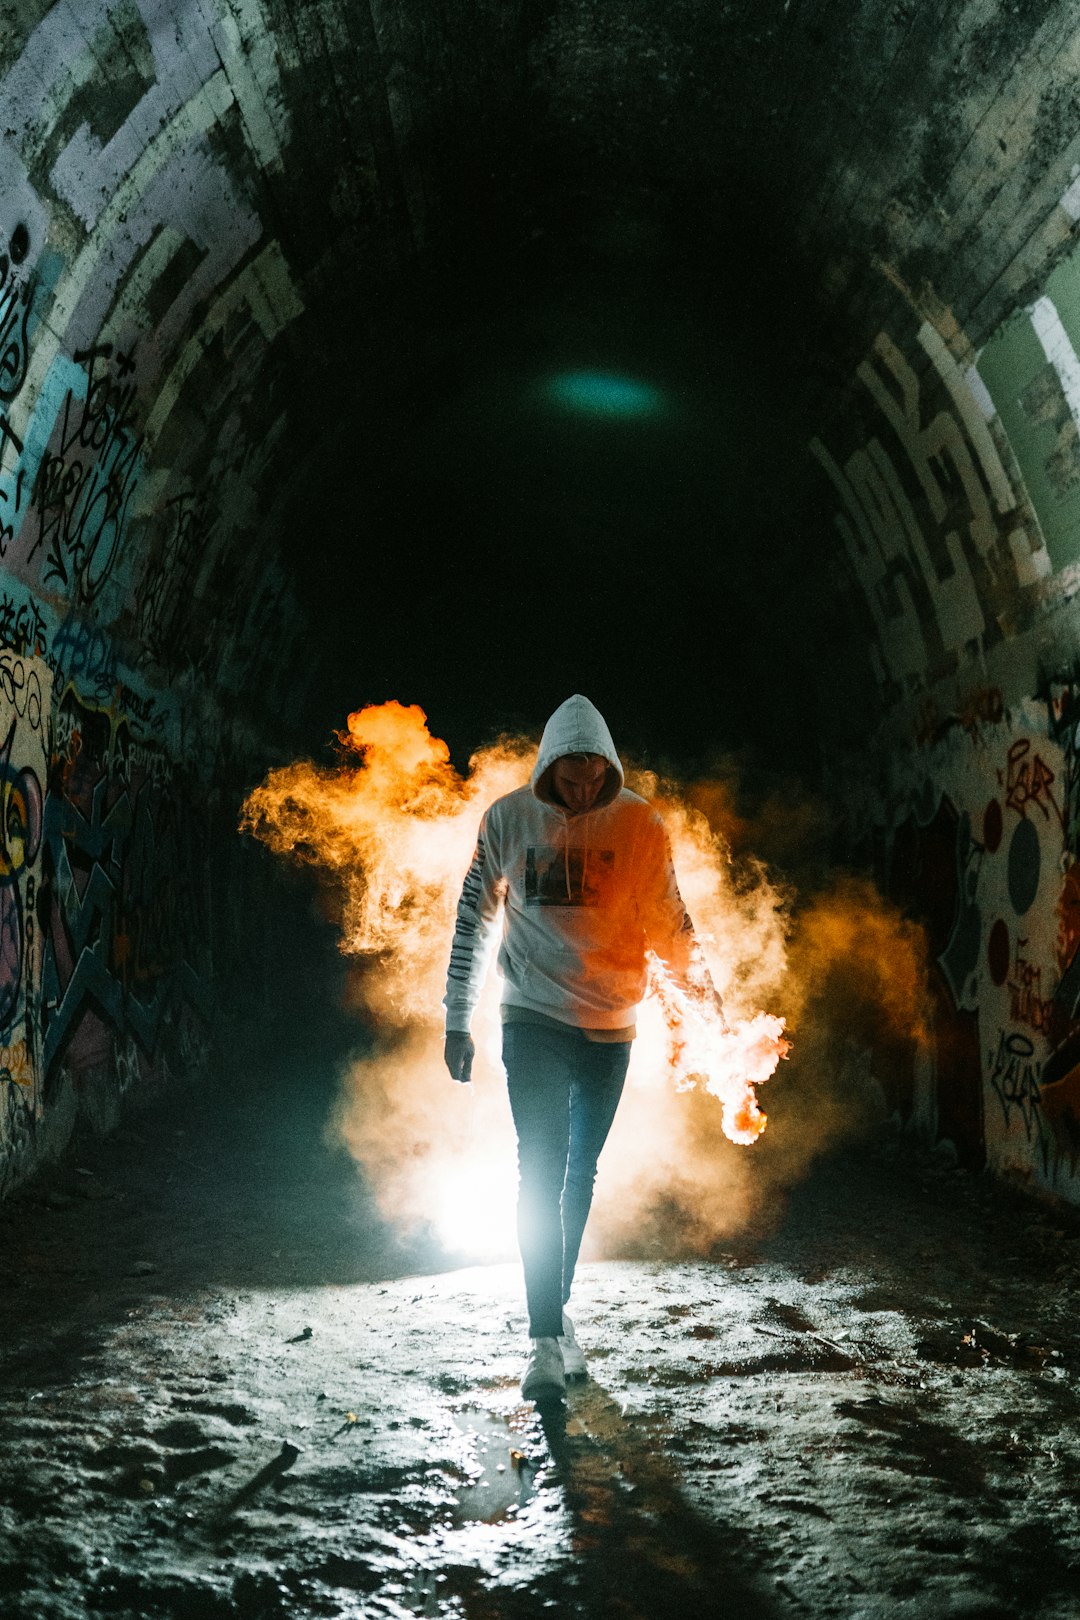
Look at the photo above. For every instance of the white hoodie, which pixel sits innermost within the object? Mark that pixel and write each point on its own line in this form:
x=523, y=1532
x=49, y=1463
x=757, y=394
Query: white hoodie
x=584, y=895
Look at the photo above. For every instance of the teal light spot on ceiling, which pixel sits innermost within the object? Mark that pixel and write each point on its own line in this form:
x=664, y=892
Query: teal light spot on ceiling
x=601, y=393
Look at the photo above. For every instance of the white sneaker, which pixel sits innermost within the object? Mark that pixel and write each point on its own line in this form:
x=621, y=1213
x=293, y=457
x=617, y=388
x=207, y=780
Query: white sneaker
x=572, y=1354
x=544, y=1376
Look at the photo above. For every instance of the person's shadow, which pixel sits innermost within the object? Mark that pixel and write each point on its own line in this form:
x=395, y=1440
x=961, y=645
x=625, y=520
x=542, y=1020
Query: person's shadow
x=640, y=1548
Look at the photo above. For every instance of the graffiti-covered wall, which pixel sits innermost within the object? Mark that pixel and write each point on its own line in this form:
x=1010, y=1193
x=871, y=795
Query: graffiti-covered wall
x=26, y=688
x=956, y=478
x=137, y=284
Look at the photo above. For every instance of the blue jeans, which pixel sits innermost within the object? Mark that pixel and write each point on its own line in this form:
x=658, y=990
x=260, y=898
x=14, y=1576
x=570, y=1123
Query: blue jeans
x=564, y=1091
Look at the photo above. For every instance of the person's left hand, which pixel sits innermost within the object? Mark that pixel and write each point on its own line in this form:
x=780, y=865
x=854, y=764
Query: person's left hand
x=458, y=1053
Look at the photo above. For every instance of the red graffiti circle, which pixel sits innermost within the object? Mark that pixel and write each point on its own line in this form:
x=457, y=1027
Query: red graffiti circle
x=993, y=827
x=997, y=952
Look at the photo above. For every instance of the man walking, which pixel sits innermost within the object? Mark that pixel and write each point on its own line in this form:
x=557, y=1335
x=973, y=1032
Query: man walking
x=582, y=870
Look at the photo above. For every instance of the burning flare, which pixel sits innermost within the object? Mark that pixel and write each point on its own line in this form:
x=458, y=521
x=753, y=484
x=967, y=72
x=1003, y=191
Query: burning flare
x=728, y=1060
x=394, y=825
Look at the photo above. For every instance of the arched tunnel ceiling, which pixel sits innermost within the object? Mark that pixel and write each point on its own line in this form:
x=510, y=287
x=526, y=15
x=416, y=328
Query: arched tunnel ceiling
x=313, y=262
x=719, y=360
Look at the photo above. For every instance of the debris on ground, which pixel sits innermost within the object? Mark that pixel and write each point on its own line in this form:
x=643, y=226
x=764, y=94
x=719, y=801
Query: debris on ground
x=871, y=1418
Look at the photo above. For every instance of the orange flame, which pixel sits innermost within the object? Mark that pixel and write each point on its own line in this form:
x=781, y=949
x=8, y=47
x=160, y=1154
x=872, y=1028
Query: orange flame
x=394, y=825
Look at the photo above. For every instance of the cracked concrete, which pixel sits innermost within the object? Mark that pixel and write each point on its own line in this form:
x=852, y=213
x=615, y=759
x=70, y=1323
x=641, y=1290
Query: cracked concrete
x=227, y=1391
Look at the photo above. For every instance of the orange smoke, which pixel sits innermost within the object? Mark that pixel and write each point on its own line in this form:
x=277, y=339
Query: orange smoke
x=394, y=826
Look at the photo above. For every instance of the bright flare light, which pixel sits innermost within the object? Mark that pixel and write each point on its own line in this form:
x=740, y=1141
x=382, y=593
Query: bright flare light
x=728, y=1059
x=474, y=1204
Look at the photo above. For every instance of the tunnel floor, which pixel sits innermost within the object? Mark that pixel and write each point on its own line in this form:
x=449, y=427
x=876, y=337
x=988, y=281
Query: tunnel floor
x=222, y=1396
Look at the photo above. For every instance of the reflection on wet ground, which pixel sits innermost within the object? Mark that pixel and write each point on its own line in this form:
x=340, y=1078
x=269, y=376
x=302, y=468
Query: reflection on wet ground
x=503, y=1480
x=871, y=1417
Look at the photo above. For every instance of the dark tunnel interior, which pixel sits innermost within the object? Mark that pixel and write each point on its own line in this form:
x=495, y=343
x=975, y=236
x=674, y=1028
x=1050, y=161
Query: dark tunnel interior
x=648, y=544
x=718, y=360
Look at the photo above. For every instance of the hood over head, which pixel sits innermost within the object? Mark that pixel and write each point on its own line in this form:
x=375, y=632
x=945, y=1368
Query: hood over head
x=576, y=727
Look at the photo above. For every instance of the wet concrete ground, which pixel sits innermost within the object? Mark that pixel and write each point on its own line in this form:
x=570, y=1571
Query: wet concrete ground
x=220, y=1397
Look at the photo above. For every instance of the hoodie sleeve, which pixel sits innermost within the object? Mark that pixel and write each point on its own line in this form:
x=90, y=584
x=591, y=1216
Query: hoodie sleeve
x=668, y=928
x=474, y=932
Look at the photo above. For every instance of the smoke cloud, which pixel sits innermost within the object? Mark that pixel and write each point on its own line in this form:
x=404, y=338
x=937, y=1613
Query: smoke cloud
x=391, y=830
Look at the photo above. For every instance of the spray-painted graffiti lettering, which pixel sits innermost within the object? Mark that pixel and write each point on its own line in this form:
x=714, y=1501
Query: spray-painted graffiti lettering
x=11, y=501
x=164, y=597
x=1027, y=1004
x=1028, y=781
x=20, y=689
x=127, y=923
x=85, y=654
x=1062, y=699
x=25, y=693
x=139, y=708
x=139, y=761
x=22, y=627
x=21, y=807
x=1014, y=1075
x=82, y=491
x=16, y=301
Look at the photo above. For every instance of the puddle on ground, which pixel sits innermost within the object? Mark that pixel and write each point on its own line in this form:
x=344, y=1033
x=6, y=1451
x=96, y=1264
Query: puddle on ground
x=504, y=1479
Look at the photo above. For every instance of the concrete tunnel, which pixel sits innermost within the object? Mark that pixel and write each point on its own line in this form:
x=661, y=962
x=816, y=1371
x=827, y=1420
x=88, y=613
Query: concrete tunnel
x=717, y=361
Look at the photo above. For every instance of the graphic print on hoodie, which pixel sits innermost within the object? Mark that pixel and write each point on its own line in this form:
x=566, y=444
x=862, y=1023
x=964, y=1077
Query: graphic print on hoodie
x=580, y=880
x=583, y=896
